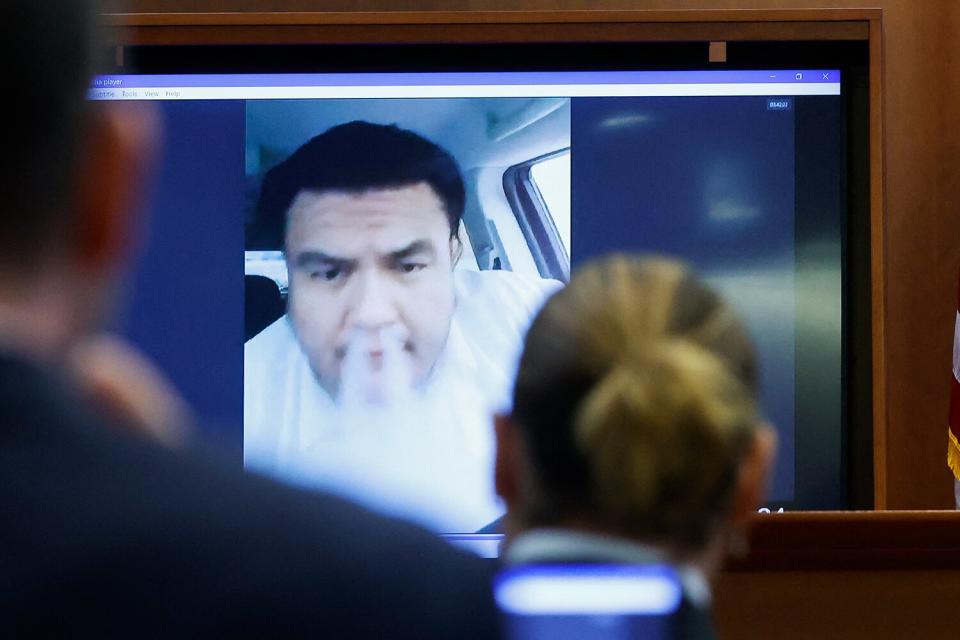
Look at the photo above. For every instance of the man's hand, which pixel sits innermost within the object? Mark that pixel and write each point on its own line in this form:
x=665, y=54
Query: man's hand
x=128, y=388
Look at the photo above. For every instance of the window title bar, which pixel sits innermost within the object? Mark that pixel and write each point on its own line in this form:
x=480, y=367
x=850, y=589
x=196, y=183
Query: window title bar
x=792, y=76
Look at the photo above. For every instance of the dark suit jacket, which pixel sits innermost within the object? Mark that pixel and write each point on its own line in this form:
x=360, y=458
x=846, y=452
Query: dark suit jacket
x=105, y=534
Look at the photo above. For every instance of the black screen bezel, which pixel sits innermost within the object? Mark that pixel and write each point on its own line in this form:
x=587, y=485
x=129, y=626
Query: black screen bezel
x=846, y=480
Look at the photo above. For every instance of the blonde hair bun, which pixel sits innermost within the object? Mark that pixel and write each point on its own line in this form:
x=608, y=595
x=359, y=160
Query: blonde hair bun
x=636, y=395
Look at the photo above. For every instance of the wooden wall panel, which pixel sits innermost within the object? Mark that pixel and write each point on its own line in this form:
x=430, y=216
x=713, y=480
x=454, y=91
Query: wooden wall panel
x=841, y=605
x=867, y=575
x=922, y=191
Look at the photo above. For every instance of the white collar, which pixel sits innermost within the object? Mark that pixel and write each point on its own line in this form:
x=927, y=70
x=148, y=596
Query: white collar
x=567, y=545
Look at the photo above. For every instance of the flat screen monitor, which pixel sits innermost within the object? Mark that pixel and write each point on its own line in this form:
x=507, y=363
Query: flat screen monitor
x=365, y=353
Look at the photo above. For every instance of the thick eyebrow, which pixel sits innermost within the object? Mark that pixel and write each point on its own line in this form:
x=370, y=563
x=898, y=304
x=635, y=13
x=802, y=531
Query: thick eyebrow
x=417, y=247
x=307, y=259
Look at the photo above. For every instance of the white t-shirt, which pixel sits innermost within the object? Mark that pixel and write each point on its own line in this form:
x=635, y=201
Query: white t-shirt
x=432, y=460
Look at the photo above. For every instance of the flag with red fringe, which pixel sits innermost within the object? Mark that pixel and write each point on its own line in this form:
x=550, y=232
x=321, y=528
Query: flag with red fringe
x=953, y=446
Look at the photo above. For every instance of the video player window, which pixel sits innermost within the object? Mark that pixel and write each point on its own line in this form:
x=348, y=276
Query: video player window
x=342, y=267
x=378, y=374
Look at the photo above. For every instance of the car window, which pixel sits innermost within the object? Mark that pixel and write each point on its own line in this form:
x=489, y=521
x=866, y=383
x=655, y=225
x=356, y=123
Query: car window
x=538, y=191
x=552, y=178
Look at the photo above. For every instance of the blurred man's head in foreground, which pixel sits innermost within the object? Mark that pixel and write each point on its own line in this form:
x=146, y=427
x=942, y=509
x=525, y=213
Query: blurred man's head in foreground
x=70, y=177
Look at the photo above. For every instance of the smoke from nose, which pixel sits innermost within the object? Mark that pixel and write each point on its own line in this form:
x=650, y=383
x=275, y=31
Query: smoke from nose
x=377, y=371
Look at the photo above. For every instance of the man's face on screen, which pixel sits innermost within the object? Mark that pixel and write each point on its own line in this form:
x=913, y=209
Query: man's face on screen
x=371, y=282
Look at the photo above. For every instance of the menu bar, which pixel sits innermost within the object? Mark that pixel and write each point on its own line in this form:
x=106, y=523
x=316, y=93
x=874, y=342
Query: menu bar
x=463, y=91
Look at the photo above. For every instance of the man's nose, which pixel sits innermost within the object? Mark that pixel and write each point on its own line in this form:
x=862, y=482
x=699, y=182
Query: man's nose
x=373, y=306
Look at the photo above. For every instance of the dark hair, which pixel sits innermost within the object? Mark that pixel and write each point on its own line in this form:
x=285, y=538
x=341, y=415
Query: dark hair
x=356, y=157
x=635, y=399
x=48, y=52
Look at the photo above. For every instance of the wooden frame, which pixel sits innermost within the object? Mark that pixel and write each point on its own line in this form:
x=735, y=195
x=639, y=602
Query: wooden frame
x=878, y=241
x=501, y=26
x=853, y=540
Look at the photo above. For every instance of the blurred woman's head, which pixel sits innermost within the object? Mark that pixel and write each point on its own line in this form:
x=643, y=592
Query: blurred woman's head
x=635, y=411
